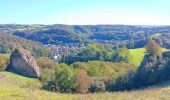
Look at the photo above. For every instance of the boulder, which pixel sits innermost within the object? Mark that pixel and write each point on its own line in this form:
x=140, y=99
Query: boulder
x=23, y=63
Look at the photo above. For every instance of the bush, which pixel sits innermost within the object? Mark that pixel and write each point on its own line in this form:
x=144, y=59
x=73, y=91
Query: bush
x=78, y=77
x=97, y=86
x=65, y=79
x=45, y=62
x=83, y=81
x=47, y=68
x=3, y=62
x=123, y=82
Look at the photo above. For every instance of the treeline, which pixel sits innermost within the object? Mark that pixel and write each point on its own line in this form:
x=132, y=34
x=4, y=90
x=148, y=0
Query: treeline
x=53, y=36
x=98, y=52
x=81, y=77
x=162, y=39
x=102, y=34
x=8, y=43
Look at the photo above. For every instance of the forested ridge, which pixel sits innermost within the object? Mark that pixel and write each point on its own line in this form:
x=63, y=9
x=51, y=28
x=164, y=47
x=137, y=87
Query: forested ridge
x=130, y=36
x=9, y=42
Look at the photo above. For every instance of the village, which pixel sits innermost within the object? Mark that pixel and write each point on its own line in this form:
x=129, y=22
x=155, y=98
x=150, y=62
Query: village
x=60, y=49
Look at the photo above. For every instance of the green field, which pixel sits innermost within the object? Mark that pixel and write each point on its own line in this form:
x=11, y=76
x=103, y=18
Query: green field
x=137, y=55
x=15, y=87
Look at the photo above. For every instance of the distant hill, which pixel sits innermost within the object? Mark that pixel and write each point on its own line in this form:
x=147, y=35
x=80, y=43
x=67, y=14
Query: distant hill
x=130, y=36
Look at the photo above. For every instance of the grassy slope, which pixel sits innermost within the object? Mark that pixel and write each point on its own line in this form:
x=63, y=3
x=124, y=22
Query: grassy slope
x=14, y=87
x=137, y=55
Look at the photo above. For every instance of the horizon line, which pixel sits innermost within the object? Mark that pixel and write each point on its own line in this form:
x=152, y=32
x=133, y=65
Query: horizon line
x=87, y=24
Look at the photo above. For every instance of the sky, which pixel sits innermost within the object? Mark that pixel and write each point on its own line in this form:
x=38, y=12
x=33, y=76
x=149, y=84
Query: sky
x=85, y=12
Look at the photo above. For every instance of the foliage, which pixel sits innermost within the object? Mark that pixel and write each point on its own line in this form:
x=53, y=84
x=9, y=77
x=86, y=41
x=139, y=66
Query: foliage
x=98, y=85
x=52, y=36
x=8, y=43
x=47, y=69
x=98, y=52
x=122, y=54
x=153, y=48
x=131, y=36
x=11, y=87
x=83, y=81
x=150, y=71
x=4, y=60
x=104, y=69
x=45, y=62
x=65, y=79
x=123, y=82
x=83, y=76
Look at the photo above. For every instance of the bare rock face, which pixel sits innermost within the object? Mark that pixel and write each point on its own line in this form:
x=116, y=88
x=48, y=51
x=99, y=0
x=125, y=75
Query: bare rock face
x=23, y=63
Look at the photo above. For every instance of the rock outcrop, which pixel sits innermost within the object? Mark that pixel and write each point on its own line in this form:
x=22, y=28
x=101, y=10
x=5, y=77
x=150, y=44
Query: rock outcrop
x=23, y=63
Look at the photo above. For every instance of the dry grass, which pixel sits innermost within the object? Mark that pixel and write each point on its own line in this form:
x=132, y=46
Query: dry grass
x=15, y=87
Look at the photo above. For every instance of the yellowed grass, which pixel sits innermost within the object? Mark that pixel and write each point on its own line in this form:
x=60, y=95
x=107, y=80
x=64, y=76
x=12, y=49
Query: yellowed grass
x=15, y=87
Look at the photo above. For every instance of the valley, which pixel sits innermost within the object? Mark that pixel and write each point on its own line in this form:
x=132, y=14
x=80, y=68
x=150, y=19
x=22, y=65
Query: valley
x=84, y=50
x=84, y=62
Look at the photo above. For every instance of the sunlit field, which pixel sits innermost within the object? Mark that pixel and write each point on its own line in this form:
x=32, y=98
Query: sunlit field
x=14, y=87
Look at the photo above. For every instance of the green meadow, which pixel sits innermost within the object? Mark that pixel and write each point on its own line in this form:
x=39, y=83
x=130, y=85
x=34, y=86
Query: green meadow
x=138, y=55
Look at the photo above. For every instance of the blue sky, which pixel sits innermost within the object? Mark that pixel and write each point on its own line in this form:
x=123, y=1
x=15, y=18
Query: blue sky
x=131, y=12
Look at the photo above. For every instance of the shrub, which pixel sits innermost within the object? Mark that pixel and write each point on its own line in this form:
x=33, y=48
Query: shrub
x=83, y=81
x=47, y=68
x=77, y=77
x=45, y=62
x=3, y=62
x=97, y=86
x=123, y=82
x=65, y=79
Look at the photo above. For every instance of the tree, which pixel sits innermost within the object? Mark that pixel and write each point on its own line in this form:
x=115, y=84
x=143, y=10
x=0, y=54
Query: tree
x=151, y=69
x=83, y=81
x=47, y=68
x=97, y=86
x=153, y=48
x=65, y=79
x=3, y=62
x=122, y=54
